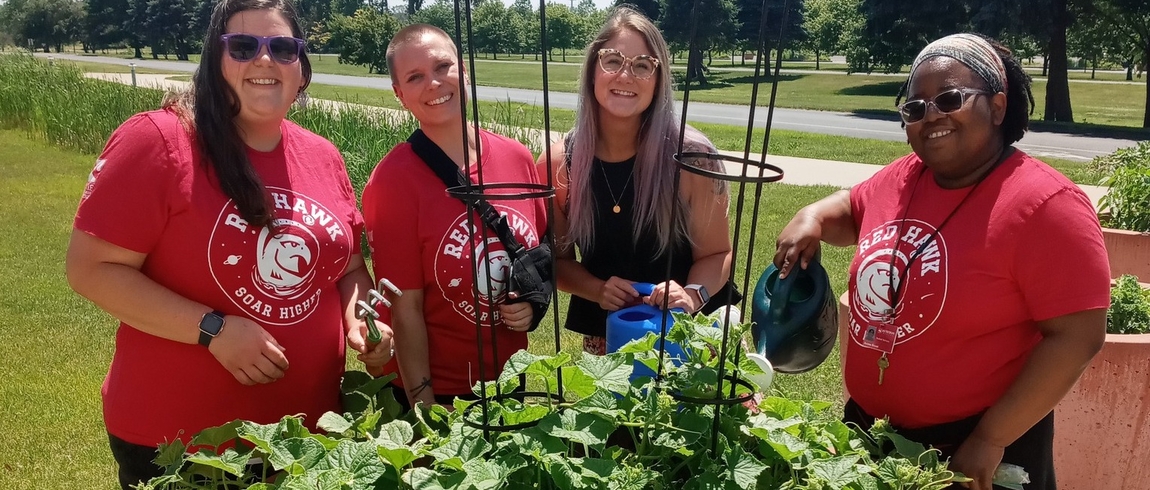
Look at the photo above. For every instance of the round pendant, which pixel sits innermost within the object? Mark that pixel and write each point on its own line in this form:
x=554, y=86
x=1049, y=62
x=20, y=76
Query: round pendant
x=616, y=209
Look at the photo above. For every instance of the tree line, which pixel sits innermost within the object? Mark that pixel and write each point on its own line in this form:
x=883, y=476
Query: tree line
x=874, y=35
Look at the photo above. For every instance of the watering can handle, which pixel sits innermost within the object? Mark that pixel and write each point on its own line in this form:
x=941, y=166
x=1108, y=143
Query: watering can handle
x=782, y=296
x=644, y=288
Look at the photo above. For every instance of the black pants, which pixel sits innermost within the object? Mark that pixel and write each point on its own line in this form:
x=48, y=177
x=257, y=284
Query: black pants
x=1034, y=451
x=135, y=462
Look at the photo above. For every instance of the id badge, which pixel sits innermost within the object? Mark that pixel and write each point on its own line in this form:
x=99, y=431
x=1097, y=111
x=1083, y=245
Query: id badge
x=879, y=337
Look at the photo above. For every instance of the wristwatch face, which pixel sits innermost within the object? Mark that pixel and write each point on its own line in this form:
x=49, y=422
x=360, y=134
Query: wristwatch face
x=702, y=291
x=211, y=324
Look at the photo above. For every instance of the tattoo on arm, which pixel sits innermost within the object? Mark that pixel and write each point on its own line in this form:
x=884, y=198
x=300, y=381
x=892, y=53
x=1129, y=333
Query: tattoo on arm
x=416, y=390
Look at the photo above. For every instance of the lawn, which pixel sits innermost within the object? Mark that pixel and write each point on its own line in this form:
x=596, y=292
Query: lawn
x=1094, y=104
x=725, y=137
x=58, y=345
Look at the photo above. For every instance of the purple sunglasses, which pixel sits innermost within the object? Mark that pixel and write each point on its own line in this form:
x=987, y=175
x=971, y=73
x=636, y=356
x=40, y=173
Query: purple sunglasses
x=284, y=50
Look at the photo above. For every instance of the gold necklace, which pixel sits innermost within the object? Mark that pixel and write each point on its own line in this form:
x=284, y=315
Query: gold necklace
x=606, y=180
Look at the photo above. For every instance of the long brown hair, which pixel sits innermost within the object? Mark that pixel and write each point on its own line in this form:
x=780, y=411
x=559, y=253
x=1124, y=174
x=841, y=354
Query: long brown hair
x=657, y=142
x=210, y=106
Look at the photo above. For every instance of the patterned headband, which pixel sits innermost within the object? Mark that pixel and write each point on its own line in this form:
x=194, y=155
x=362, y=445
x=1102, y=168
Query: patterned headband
x=971, y=50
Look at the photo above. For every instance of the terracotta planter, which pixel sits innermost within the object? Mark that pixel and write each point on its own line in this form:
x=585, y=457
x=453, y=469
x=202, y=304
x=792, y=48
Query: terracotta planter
x=1129, y=253
x=1102, y=427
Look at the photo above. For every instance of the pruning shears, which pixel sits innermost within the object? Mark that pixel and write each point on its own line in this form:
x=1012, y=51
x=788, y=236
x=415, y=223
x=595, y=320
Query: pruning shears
x=366, y=311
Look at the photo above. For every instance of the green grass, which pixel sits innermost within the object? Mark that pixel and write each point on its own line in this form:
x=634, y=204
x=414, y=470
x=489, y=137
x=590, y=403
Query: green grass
x=57, y=346
x=88, y=66
x=725, y=137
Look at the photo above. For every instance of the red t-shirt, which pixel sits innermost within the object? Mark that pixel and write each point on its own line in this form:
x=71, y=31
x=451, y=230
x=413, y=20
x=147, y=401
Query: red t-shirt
x=1025, y=247
x=151, y=193
x=420, y=240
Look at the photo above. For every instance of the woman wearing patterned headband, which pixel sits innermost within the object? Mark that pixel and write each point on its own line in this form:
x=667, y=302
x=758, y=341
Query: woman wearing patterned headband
x=967, y=323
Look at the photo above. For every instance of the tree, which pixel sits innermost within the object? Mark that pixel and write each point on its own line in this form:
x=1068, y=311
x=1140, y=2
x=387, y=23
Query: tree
x=1058, y=83
x=562, y=28
x=311, y=12
x=1133, y=17
x=48, y=23
x=825, y=25
x=174, y=24
x=346, y=8
x=712, y=25
x=362, y=38
x=493, y=28
x=102, y=25
x=413, y=6
x=751, y=22
x=440, y=14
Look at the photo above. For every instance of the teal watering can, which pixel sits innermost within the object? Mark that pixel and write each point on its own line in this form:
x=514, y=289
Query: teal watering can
x=795, y=319
x=634, y=322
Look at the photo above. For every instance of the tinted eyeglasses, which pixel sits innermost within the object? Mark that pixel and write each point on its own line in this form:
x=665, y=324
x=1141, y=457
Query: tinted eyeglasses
x=913, y=111
x=284, y=50
x=642, y=66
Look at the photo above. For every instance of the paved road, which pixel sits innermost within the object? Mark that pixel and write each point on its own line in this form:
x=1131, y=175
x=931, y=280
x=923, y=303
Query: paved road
x=1059, y=145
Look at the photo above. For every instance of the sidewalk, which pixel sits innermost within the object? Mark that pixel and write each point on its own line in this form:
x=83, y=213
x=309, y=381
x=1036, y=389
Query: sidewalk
x=796, y=171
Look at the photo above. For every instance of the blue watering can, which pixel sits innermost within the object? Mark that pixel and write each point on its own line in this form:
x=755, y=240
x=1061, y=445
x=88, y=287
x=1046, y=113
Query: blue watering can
x=634, y=322
x=795, y=319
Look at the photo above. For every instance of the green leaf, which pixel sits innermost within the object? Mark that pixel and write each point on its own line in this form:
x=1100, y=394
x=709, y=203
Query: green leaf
x=216, y=436
x=396, y=432
x=781, y=407
x=517, y=364
x=304, y=452
x=611, y=372
x=397, y=456
x=534, y=442
x=601, y=402
x=395, y=444
x=464, y=445
x=483, y=474
x=788, y=446
x=171, y=456
x=334, y=423
x=360, y=460
x=525, y=413
x=742, y=468
x=577, y=382
x=578, y=427
x=231, y=461
x=367, y=423
x=837, y=472
x=261, y=435
x=421, y=479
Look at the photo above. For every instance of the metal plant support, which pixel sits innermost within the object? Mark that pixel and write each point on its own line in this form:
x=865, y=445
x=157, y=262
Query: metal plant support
x=751, y=172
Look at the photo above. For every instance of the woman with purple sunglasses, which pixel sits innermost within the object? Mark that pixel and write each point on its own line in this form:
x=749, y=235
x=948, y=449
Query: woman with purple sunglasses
x=226, y=241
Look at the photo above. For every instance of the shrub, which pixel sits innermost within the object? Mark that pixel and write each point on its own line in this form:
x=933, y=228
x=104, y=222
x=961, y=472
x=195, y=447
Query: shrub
x=1127, y=174
x=1129, y=307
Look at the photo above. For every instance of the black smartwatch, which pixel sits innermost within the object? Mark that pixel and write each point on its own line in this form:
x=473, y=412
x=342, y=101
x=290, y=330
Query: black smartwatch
x=210, y=326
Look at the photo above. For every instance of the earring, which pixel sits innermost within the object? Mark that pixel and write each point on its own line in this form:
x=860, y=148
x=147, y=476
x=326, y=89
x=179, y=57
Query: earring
x=301, y=99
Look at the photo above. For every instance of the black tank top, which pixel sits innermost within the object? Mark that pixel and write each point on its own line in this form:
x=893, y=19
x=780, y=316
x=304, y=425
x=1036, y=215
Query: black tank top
x=615, y=252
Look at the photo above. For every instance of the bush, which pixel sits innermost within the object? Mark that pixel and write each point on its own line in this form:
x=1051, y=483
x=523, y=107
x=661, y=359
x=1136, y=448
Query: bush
x=1127, y=174
x=1129, y=307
